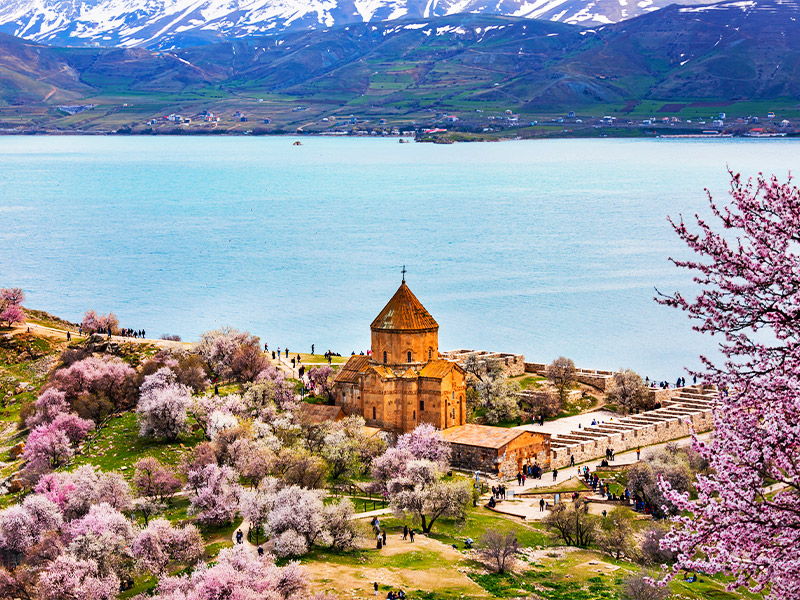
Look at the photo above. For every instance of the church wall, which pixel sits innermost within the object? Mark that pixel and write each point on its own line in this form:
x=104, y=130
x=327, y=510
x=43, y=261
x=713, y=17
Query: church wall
x=348, y=396
x=398, y=344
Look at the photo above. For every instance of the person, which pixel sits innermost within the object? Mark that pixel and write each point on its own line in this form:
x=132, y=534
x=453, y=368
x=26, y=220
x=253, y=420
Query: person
x=605, y=513
x=216, y=390
x=694, y=379
x=380, y=543
x=411, y=535
x=312, y=349
x=261, y=550
x=239, y=536
x=541, y=505
x=519, y=478
x=492, y=502
x=572, y=460
x=287, y=353
x=375, y=585
x=383, y=536
x=523, y=478
x=293, y=362
x=405, y=532
x=638, y=453
x=555, y=474
x=468, y=543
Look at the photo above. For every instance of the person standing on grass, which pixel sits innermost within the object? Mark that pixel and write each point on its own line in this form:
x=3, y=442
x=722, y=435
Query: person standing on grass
x=383, y=536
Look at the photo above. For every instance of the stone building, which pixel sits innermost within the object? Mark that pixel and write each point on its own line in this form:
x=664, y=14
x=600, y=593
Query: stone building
x=404, y=382
x=496, y=450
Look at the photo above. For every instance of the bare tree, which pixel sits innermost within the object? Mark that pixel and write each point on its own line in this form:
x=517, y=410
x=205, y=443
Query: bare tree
x=562, y=373
x=542, y=402
x=499, y=549
x=638, y=587
x=627, y=390
x=616, y=534
x=572, y=523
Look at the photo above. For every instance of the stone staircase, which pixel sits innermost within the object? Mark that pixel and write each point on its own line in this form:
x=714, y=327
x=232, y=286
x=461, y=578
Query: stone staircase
x=683, y=411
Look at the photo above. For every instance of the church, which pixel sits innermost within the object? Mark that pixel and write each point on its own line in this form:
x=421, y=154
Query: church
x=404, y=382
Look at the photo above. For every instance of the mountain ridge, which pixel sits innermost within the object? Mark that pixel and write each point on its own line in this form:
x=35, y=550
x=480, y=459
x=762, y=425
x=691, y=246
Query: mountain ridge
x=724, y=52
x=170, y=24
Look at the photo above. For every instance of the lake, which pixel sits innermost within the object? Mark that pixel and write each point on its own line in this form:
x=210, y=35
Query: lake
x=545, y=248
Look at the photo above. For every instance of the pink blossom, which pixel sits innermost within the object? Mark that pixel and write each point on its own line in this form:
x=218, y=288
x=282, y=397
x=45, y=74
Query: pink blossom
x=160, y=543
x=69, y=578
x=426, y=442
x=238, y=575
x=216, y=494
x=50, y=403
x=749, y=279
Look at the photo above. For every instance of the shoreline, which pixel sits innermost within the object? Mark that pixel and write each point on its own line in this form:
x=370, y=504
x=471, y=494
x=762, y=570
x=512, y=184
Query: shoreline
x=443, y=140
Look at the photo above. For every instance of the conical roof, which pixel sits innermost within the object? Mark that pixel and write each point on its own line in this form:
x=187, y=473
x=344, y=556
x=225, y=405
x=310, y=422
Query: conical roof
x=404, y=313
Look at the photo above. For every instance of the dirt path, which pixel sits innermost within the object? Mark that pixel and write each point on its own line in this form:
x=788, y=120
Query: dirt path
x=394, y=567
x=61, y=334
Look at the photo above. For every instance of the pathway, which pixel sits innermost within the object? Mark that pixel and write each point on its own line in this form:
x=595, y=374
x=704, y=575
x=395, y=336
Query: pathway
x=528, y=508
x=57, y=333
x=244, y=526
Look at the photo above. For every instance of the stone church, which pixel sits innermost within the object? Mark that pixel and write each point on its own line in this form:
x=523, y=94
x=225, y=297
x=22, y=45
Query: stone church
x=404, y=382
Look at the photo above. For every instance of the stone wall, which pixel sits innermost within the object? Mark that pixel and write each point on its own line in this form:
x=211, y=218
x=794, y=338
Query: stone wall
x=687, y=410
x=512, y=364
x=592, y=377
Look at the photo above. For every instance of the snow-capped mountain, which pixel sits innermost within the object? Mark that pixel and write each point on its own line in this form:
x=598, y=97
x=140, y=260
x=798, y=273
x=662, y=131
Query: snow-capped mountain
x=175, y=23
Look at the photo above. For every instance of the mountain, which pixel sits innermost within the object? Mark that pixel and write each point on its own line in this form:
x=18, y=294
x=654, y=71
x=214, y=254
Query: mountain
x=165, y=24
x=724, y=52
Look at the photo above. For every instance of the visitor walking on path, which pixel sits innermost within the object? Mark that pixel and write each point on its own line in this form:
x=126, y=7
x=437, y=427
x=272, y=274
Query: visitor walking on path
x=555, y=474
x=405, y=532
x=411, y=535
x=541, y=505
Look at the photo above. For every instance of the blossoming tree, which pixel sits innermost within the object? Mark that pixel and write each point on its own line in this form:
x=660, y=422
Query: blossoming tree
x=749, y=275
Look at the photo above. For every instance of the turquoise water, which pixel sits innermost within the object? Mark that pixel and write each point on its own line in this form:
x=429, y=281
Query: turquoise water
x=544, y=248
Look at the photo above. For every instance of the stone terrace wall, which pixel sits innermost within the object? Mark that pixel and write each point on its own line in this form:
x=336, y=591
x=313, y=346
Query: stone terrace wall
x=512, y=364
x=593, y=377
x=688, y=409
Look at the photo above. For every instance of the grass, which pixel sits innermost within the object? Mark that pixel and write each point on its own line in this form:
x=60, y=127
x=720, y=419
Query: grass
x=117, y=446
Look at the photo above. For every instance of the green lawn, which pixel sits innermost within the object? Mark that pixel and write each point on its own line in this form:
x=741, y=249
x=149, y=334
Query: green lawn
x=118, y=446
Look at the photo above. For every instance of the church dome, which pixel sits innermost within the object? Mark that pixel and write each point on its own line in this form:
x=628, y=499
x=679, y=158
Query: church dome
x=404, y=313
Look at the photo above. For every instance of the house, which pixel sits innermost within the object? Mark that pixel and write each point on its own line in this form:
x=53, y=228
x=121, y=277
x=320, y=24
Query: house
x=498, y=451
x=770, y=115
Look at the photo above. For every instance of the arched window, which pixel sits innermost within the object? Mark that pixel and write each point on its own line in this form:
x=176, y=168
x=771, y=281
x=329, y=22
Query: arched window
x=409, y=356
x=414, y=415
x=373, y=413
x=384, y=357
x=430, y=353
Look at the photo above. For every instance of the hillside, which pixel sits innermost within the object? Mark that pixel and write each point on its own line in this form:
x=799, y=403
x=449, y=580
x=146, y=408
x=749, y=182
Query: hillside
x=179, y=23
x=720, y=54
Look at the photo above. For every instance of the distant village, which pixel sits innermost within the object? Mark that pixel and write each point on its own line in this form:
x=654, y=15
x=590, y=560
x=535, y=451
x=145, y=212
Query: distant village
x=718, y=124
